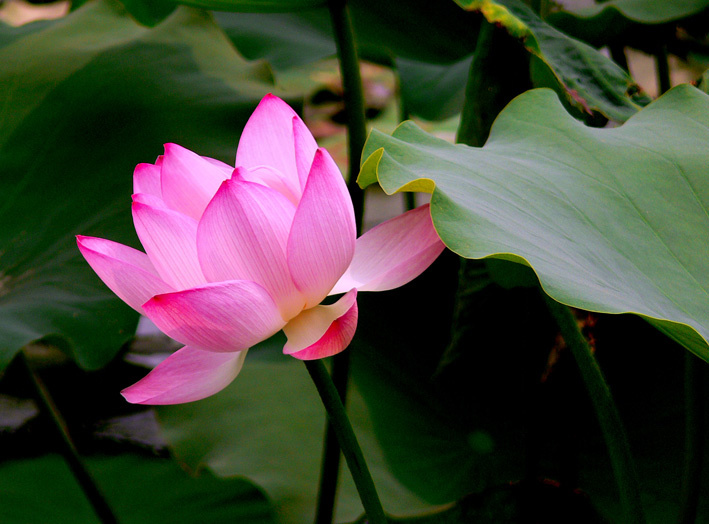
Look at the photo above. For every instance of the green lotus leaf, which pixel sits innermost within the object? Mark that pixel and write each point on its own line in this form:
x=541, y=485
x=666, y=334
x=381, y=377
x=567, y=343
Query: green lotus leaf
x=584, y=77
x=268, y=426
x=140, y=490
x=611, y=220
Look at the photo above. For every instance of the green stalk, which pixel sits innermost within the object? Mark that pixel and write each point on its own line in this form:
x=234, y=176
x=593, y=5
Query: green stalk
x=694, y=438
x=67, y=447
x=354, y=99
x=606, y=411
x=663, y=70
x=348, y=441
x=356, y=137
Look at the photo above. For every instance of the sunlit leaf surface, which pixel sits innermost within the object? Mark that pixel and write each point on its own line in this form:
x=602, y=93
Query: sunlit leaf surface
x=611, y=220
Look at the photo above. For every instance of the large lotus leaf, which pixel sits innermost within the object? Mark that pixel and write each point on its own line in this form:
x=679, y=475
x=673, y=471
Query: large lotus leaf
x=587, y=79
x=140, y=490
x=83, y=100
x=643, y=11
x=611, y=220
x=268, y=426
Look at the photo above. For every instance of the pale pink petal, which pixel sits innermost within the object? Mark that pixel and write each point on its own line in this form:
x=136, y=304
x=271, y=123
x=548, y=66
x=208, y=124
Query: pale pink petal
x=146, y=179
x=267, y=140
x=267, y=176
x=392, y=253
x=222, y=317
x=170, y=240
x=126, y=271
x=187, y=375
x=189, y=181
x=243, y=235
x=322, y=238
x=322, y=331
x=305, y=147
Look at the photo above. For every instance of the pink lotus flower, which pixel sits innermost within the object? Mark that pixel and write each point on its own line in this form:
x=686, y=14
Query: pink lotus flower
x=234, y=255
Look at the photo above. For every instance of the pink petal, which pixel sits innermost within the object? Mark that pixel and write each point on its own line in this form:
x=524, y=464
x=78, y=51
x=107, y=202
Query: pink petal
x=267, y=140
x=146, y=179
x=322, y=331
x=188, y=374
x=305, y=147
x=392, y=253
x=189, y=181
x=221, y=317
x=170, y=240
x=322, y=238
x=126, y=271
x=243, y=235
x=268, y=177
x=149, y=200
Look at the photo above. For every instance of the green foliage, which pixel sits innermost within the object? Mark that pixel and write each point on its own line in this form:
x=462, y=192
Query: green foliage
x=582, y=76
x=83, y=100
x=268, y=426
x=611, y=220
x=141, y=490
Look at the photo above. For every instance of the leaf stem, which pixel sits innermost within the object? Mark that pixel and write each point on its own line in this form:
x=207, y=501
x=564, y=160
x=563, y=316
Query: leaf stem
x=67, y=447
x=348, y=441
x=663, y=69
x=606, y=411
x=330, y=465
x=356, y=137
x=354, y=99
x=694, y=437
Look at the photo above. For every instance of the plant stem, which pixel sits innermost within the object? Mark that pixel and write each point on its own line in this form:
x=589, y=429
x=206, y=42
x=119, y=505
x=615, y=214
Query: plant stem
x=356, y=136
x=490, y=87
x=330, y=465
x=67, y=447
x=663, y=70
x=354, y=99
x=348, y=441
x=694, y=437
x=606, y=411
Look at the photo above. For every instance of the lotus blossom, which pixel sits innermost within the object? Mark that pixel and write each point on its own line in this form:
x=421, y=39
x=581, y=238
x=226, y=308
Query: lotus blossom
x=234, y=255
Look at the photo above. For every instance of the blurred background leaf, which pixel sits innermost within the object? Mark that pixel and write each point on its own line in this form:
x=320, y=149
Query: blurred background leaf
x=82, y=101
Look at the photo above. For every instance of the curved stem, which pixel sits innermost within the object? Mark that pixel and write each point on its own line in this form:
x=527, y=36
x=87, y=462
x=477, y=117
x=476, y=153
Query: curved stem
x=694, y=438
x=608, y=417
x=348, y=441
x=68, y=448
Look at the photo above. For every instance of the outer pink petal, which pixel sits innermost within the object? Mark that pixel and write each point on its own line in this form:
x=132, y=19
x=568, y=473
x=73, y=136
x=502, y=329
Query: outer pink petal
x=267, y=140
x=126, y=271
x=146, y=179
x=187, y=375
x=243, y=236
x=322, y=239
x=170, y=240
x=189, y=181
x=221, y=317
x=393, y=253
x=322, y=331
x=305, y=147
